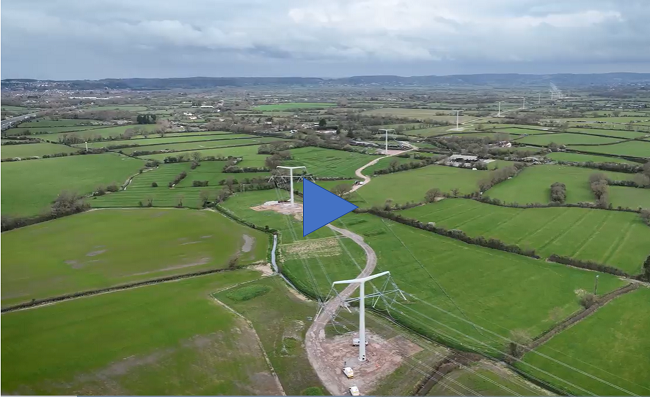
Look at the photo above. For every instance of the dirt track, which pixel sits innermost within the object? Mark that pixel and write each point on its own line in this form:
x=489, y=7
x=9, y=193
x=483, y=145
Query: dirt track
x=332, y=378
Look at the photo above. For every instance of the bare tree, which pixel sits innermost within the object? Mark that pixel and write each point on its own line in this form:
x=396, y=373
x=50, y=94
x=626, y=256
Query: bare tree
x=432, y=195
x=341, y=189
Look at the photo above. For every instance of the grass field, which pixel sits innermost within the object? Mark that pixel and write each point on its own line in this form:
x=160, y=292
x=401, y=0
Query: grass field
x=103, y=132
x=611, y=344
x=249, y=153
x=433, y=131
x=206, y=144
x=281, y=320
x=577, y=157
x=31, y=186
x=311, y=262
x=177, y=138
x=420, y=114
x=516, y=131
x=629, y=197
x=56, y=123
x=483, y=283
x=612, y=133
x=211, y=171
x=565, y=139
x=629, y=148
x=328, y=162
x=46, y=132
x=533, y=184
x=405, y=186
x=618, y=239
x=486, y=380
x=294, y=105
x=110, y=247
x=169, y=338
x=34, y=149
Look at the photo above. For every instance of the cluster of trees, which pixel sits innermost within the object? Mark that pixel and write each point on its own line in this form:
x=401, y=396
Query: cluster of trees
x=645, y=276
x=565, y=260
x=276, y=159
x=558, y=192
x=20, y=141
x=456, y=234
x=54, y=155
x=195, y=157
x=177, y=179
x=395, y=166
x=433, y=195
x=101, y=190
x=341, y=189
x=279, y=146
x=199, y=183
x=146, y=119
x=499, y=175
x=616, y=167
x=66, y=203
x=599, y=185
x=645, y=216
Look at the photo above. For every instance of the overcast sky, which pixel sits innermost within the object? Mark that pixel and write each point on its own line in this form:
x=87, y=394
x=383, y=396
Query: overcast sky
x=92, y=39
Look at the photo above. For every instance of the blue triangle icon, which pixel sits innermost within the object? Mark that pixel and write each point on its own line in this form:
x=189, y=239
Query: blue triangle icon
x=320, y=207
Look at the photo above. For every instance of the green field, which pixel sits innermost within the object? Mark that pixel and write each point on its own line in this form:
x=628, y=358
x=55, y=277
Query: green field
x=618, y=239
x=294, y=105
x=612, y=345
x=111, y=247
x=279, y=317
x=30, y=186
x=420, y=114
x=57, y=123
x=486, y=380
x=430, y=131
x=577, y=157
x=34, y=149
x=612, y=133
x=483, y=283
x=175, y=138
x=565, y=139
x=629, y=197
x=249, y=153
x=103, y=132
x=46, y=132
x=205, y=144
x=629, y=148
x=211, y=171
x=533, y=184
x=311, y=262
x=328, y=162
x=517, y=131
x=169, y=338
x=405, y=186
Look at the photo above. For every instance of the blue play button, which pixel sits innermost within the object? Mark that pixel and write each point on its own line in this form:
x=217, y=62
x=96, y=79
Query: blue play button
x=320, y=207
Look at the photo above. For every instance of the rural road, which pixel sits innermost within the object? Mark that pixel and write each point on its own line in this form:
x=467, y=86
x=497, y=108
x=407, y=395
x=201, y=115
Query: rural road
x=10, y=121
x=332, y=378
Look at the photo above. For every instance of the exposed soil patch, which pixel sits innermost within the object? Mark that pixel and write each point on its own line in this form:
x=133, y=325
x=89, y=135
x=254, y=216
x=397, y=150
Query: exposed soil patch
x=282, y=208
x=248, y=243
x=383, y=358
x=306, y=249
x=265, y=269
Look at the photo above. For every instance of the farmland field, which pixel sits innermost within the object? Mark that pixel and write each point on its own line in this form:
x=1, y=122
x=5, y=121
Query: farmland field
x=205, y=144
x=619, y=353
x=76, y=173
x=418, y=114
x=612, y=133
x=109, y=247
x=169, y=338
x=177, y=138
x=533, y=184
x=279, y=319
x=629, y=148
x=516, y=131
x=629, y=197
x=34, y=149
x=328, y=162
x=46, y=132
x=294, y=105
x=565, y=139
x=618, y=239
x=103, y=132
x=412, y=185
x=57, y=123
x=482, y=282
x=577, y=157
x=249, y=153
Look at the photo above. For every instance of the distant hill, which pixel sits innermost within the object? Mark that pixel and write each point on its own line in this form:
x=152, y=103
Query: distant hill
x=502, y=80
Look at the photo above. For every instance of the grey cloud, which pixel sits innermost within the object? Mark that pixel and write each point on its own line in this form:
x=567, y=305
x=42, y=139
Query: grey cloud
x=119, y=38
